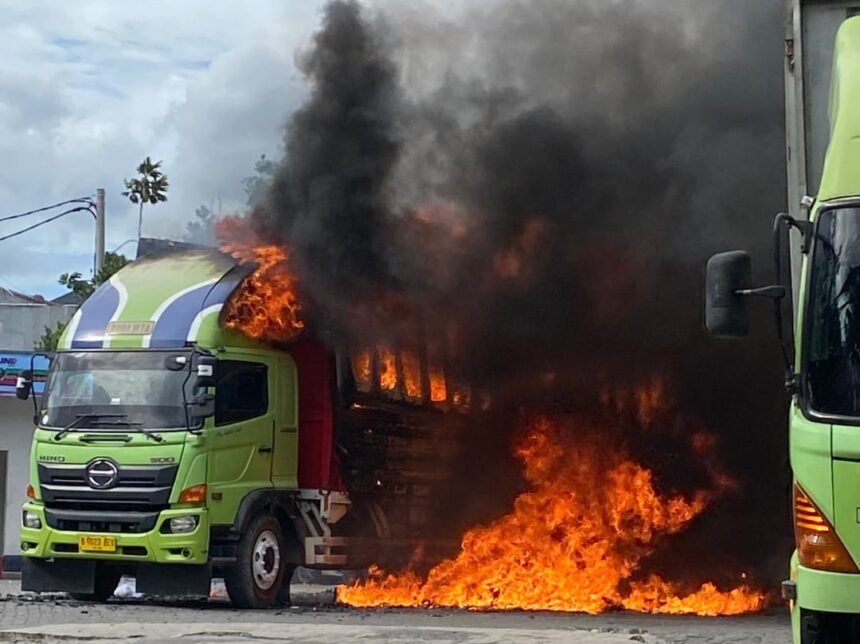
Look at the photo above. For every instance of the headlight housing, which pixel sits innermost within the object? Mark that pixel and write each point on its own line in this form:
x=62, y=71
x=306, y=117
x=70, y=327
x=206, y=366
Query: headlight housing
x=31, y=520
x=182, y=525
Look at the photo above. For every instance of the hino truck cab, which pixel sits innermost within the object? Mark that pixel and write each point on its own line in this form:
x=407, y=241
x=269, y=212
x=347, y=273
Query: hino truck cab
x=822, y=359
x=155, y=425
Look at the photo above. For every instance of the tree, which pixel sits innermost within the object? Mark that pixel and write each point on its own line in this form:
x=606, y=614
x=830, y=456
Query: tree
x=50, y=339
x=202, y=229
x=84, y=288
x=257, y=185
x=150, y=186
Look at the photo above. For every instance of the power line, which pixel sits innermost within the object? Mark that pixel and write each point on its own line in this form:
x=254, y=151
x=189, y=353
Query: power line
x=43, y=209
x=47, y=221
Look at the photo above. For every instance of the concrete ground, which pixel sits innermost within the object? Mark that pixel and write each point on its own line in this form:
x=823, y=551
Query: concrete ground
x=55, y=618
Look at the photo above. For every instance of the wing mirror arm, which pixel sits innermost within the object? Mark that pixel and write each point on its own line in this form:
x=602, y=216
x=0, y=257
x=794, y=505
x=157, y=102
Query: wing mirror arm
x=806, y=230
x=729, y=284
x=771, y=292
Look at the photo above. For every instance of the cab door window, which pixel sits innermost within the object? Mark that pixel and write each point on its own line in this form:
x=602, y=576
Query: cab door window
x=241, y=391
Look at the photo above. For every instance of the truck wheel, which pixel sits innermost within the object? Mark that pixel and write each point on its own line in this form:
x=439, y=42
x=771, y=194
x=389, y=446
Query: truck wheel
x=107, y=579
x=255, y=580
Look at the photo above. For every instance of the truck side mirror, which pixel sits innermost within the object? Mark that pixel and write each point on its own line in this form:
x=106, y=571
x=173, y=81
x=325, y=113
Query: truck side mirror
x=24, y=385
x=726, y=307
x=202, y=407
x=205, y=373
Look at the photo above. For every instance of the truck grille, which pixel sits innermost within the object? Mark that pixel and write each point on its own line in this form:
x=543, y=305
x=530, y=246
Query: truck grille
x=101, y=521
x=137, y=488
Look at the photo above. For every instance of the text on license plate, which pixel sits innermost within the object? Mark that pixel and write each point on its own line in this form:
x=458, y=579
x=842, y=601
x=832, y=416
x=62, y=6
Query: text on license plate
x=93, y=543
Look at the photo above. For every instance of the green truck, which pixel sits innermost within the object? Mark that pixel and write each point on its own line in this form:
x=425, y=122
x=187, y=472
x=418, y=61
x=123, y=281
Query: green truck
x=171, y=447
x=822, y=356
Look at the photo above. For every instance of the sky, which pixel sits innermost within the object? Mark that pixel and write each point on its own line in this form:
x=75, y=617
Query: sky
x=87, y=90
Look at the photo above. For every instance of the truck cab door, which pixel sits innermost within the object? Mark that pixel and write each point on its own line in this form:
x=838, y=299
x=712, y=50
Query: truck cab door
x=241, y=441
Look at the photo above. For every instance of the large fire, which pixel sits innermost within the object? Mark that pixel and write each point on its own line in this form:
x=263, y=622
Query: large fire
x=267, y=306
x=575, y=541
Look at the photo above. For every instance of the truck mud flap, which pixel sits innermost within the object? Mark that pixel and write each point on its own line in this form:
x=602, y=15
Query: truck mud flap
x=58, y=575
x=174, y=580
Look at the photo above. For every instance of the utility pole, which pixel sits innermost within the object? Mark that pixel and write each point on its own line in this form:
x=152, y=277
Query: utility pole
x=100, y=229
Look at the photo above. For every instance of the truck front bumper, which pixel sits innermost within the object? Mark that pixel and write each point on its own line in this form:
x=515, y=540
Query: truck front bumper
x=153, y=546
x=825, y=601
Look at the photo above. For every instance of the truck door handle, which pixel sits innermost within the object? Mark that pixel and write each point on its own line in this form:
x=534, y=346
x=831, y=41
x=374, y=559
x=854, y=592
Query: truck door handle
x=264, y=449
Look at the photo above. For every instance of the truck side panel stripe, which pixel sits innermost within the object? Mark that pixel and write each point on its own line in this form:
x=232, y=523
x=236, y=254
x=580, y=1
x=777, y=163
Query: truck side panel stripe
x=71, y=330
x=95, y=316
x=198, y=321
x=123, y=300
x=174, y=325
x=156, y=317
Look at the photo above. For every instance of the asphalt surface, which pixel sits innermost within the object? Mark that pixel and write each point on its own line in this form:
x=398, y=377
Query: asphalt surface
x=56, y=618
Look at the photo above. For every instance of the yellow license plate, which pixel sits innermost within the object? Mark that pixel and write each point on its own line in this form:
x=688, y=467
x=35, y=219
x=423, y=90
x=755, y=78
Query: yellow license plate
x=93, y=543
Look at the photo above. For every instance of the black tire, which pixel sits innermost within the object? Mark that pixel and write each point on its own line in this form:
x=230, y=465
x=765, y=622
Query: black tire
x=255, y=580
x=107, y=579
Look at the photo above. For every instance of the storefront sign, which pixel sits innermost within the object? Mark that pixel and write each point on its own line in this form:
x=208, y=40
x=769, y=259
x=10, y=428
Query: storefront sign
x=13, y=363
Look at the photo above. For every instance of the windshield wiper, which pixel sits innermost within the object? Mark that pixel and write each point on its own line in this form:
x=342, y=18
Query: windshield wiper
x=81, y=418
x=138, y=427
x=100, y=418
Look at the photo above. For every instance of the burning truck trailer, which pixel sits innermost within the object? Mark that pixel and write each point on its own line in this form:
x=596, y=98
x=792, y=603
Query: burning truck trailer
x=174, y=445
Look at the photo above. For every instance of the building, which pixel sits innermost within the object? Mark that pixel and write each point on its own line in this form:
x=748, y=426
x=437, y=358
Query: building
x=23, y=320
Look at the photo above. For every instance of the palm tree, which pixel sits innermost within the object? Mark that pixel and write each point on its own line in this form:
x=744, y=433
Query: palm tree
x=150, y=186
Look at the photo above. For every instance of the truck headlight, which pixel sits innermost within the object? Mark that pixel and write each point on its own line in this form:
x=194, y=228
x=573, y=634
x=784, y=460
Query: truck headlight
x=32, y=520
x=178, y=525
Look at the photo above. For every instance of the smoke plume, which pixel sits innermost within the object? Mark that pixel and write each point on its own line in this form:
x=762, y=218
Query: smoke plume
x=539, y=184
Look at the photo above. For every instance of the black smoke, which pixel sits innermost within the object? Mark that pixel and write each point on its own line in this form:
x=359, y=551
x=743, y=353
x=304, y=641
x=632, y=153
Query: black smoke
x=543, y=183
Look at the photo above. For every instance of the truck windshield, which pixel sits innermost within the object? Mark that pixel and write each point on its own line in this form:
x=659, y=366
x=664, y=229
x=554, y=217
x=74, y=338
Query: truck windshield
x=137, y=385
x=833, y=360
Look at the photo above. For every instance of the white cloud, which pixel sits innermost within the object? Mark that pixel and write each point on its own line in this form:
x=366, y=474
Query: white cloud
x=89, y=89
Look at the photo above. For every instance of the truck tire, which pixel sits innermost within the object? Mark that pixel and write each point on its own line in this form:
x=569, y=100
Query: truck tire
x=256, y=578
x=106, y=581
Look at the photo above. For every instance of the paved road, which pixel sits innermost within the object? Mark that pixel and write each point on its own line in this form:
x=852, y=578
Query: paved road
x=56, y=618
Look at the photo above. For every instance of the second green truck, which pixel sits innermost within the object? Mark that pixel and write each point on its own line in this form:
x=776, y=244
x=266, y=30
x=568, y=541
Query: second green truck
x=823, y=356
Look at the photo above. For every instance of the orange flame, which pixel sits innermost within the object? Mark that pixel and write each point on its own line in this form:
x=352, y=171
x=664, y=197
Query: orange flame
x=266, y=306
x=411, y=374
x=573, y=542
x=438, y=384
x=387, y=368
x=362, y=369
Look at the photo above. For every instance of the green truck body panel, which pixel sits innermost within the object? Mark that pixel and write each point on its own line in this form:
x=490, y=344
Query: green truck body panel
x=841, y=177
x=811, y=459
x=825, y=457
